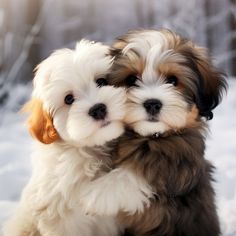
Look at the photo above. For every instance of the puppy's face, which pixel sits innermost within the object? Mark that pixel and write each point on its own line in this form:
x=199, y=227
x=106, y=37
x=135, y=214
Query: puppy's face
x=170, y=81
x=71, y=99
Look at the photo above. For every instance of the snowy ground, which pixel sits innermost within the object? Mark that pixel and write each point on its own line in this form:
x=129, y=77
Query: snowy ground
x=15, y=148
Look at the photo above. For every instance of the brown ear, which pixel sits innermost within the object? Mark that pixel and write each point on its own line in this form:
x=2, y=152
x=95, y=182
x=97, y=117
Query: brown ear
x=212, y=87
x=40, y=123
x=211, y=83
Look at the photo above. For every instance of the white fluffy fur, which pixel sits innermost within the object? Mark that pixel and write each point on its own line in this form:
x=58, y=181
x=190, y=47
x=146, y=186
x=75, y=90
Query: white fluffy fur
x=63, y=170
x=50, y=201
x=119, y=190
x=75, y=72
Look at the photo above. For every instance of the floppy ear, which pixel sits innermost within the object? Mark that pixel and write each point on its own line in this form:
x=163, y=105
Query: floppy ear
x=40, y=123
x=211, y=84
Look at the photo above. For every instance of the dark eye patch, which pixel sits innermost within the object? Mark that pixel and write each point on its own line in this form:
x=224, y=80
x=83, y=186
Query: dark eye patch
x=172, y=79
x=131, y=80
x=101, y=82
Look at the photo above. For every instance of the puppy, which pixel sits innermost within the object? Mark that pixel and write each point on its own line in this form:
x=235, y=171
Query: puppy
x=172, y=88
x=73, y=115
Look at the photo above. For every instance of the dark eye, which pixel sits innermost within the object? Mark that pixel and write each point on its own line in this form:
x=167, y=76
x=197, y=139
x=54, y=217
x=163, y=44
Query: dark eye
x=69, y=99
x=101, y=82
x=131, y=80
x=172, y=79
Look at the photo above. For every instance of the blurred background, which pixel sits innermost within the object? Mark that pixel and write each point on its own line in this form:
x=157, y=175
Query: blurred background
x=32, y=29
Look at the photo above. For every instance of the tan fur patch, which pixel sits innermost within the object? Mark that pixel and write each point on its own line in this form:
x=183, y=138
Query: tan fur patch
x=40, y=122
x=192, y=117
x=133, y=66
x=192, y=121
x=168, y=69
x=119, y=44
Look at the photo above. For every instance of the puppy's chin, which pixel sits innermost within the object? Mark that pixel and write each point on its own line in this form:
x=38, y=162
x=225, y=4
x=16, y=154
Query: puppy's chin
x=160, y=126
x=106, y=132
x=147, y=128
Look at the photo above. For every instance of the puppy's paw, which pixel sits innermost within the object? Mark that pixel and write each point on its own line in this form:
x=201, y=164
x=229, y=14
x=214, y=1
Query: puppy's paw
x=120, y=190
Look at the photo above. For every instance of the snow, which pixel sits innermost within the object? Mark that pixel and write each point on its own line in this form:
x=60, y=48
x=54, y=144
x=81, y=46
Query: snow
x=221, y=150
x=15, y=149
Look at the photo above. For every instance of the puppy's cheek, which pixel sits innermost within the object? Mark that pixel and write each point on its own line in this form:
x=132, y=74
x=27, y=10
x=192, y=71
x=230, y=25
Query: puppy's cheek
x=105, y=134
x=79, y=128
x=59, y=121
x=134, y=113
x=176, y=120
x=174, y=112
x=114, y=99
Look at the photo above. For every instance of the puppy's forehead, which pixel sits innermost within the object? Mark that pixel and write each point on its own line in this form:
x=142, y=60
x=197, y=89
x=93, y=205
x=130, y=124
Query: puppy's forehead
x=87, y=61
x=150, y=45
x=91, y=58
x=143, y=42
x=77, y=67
x=153, y=49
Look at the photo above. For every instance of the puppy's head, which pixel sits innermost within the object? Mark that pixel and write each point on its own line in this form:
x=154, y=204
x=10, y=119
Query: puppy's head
x=170, y=82
x=72, y=101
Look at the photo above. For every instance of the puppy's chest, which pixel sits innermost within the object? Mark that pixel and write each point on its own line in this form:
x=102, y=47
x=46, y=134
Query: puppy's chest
x=169, y=166
x=175, y=169
x=67, y=174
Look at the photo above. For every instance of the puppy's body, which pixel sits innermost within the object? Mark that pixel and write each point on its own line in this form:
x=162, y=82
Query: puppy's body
x=175, y=168
x=73, y=115
x=172, y=88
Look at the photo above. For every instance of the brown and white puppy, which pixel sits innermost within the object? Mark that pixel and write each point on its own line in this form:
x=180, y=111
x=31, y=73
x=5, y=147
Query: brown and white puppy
x=172, y=88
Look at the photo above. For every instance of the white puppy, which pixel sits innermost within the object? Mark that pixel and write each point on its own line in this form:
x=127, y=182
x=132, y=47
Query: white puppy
x=73, y=115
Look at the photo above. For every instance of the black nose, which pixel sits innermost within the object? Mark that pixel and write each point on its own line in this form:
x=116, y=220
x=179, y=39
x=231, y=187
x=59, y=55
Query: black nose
x=152, y=106
x=98, y=111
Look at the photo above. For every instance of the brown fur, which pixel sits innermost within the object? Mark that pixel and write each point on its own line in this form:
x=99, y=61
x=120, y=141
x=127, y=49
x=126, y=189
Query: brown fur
x=179, y=175
x=40, y=122
x=173, y=164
